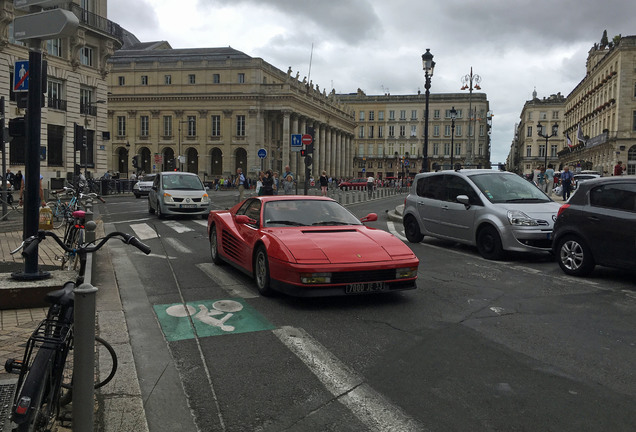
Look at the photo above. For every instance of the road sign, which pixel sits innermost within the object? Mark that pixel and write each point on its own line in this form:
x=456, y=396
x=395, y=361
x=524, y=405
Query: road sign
x=45, y=25
x=307, y=139
x=21, y=76
x=262, y=153
x=296, y=142
x=26, y=4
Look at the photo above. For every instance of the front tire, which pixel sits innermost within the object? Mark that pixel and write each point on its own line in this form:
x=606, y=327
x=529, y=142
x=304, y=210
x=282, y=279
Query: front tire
x=574, y=256
x=214, y=246
x=261, y=272
x=412, y=229
x=150, y=209
x=160, y=215
x=489, y=243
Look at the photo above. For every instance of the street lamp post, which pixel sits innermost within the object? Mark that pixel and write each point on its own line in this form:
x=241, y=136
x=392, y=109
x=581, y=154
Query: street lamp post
x=453, y=114
x=468, y=81
x=429, y=66
x=555, y=131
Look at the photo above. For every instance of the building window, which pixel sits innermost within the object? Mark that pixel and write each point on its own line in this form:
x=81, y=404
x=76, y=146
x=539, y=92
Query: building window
x=402, y=114
x=480, y=149
x=361, y=131
x=121, y=126
x=436, y=114
x=240, y=125
x=144, y=80
x=370, y=154
x=402, y=130
x=529, y=132
x=192, y=79
x=370, y=131
x=446, y=149
x=380, y=131
x=458, y=149
x=241, y=78
x=54, y=47
x=553, y=150
x=54, y=95
x=458, y=130
x=216, y=78
x=216, y=125
x=555, y=115
x=391, y=115
x=435, y=149
x=528, y=151
x=361, y=115
x=413, y=114
x=391, y=131
x=122, y=80
x=167, y=79
x=381, y=115
x=482, y=130
x=167, y=126
x=447, y=130
x=413, y=130
x=143, y=126
x=86, y=56
x=86, y=102
x=634, y=122
x=541, y=150
x=192, y=126
x=543, y=115
x=371, y=116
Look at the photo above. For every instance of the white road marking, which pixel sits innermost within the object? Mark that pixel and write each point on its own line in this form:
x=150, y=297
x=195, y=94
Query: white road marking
x=144, y=231
x=233, y=286
x=178, y=227
x=395, y=232
x=202, y=222
x=369, y=406
x=177, y=245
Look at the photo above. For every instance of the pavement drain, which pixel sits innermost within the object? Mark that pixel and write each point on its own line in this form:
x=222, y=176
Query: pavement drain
x=6, y=401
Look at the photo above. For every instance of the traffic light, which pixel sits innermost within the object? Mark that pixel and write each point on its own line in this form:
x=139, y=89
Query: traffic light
x=310, y=148
x=135, y=161
x=308, y=160
x=17, y=127
x=303, y=152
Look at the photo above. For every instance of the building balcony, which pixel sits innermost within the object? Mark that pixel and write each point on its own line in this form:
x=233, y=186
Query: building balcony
x=97, y=22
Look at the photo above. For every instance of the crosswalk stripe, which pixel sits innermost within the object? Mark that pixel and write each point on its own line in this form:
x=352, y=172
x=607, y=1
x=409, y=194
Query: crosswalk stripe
x=177, y=245
x=202, y=222
x=233, y=286
x=394, y=231
x=144, y=231
x=178, y=227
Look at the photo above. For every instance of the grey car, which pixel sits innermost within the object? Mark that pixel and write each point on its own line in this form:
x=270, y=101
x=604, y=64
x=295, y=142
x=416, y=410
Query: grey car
x=493, y=210
x=143, y=186
x=178, y=193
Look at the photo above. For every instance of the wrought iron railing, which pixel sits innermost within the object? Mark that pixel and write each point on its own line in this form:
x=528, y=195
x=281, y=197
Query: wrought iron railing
x=97, y=22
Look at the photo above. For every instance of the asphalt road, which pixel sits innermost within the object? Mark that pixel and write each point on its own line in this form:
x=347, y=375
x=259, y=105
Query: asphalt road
x=480, y=345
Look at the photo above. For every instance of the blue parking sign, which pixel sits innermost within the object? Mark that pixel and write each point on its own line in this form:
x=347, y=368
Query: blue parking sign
x=21, y=76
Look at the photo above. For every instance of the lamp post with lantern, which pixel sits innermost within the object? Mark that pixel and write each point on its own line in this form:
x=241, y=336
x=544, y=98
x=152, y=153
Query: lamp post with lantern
x=470, y=82
x=429, y=66
x=555, y=131
x=453, y=115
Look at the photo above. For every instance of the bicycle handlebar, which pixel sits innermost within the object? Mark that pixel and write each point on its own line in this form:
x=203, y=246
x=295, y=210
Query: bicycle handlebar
x=28, y=246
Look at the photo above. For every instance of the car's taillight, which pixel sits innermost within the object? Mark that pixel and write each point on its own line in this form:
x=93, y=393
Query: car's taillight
x=562, y=208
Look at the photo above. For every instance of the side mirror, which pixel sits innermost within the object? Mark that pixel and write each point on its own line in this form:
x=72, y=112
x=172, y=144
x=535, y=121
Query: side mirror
x=246, y=220
x=371, y=217
x=464, y=200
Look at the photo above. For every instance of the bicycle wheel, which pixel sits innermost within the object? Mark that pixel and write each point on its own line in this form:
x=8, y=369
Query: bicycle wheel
x=105, y=369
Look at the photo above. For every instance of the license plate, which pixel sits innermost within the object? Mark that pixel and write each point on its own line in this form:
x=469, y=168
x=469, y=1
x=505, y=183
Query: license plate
x=188, y=206
x=356, y=288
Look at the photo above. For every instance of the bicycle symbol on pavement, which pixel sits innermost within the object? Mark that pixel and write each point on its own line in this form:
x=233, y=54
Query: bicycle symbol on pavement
x=210, y=318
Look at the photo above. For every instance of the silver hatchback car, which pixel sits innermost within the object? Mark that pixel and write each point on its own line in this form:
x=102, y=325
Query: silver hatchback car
x=493, y=210
x=178, y=193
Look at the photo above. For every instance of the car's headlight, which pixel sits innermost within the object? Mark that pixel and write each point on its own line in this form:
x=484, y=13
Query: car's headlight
x=519, y=218
x=315, y=278
x=405, y=273
x=167, y=198
x=205, y=199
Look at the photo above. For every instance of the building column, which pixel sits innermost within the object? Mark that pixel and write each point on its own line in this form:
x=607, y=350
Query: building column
x=316, y=156
x=286, y=138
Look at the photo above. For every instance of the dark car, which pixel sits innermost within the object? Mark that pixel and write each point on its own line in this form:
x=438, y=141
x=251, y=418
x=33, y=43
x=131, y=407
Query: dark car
x=597, y=226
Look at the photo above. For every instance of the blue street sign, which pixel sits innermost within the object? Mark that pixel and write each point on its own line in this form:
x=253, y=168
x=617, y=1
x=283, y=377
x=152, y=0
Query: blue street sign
x=262, y=153
x=21, y=76
x=296, y=140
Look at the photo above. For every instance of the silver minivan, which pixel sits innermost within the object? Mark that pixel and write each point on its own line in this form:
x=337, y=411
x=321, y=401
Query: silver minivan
x=178, y=193
x=494, y=210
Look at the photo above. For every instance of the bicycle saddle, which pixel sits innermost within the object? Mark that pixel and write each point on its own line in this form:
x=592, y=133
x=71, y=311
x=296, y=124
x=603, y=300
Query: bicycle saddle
x=64, y=296
x=80, y=214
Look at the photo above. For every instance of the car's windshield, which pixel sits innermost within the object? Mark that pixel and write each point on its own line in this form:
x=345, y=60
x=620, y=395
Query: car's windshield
x=148, y=178
x=508, y=188
x=306, y=213
x=182, y=182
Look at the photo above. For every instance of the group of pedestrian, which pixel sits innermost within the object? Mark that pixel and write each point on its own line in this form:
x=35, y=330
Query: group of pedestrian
x=13, y=180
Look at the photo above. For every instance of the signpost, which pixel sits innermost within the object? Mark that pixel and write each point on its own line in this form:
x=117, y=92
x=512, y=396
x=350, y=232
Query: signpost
x=21, y=76
x=45, y=25
x=262, y=153
x=307, y=139
x=296, y=142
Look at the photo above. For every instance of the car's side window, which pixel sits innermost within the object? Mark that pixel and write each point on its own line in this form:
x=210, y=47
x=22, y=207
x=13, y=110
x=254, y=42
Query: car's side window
x=155, y=182
x=431, y=187
x=458, y=186
x=616, y=196
x=253, y=210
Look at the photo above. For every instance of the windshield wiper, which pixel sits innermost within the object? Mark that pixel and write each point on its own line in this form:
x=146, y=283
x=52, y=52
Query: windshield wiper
x=285, y=222
x=331, y=223
x=526, y=200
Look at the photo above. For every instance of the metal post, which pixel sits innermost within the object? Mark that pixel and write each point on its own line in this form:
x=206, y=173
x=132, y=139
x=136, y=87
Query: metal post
x=427, y=86
x=4, y=161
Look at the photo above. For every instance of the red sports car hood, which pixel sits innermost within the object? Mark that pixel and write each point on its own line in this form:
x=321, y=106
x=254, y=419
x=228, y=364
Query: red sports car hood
x=342, y=245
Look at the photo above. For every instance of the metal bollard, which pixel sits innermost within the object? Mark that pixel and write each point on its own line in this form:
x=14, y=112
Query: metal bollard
x=84, y=358
x=89, y=232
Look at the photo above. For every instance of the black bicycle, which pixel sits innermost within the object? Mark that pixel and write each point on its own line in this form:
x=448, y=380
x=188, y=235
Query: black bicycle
x=45, y=380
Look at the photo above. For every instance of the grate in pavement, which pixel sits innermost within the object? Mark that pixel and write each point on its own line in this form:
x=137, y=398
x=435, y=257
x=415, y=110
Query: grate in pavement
x=6, y=400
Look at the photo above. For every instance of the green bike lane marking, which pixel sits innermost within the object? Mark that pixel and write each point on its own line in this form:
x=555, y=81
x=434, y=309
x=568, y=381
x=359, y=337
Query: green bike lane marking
x=210, y=318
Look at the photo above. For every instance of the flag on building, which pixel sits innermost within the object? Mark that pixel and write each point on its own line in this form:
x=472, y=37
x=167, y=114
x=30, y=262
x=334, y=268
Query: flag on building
x=567, y=137
x=579, y=135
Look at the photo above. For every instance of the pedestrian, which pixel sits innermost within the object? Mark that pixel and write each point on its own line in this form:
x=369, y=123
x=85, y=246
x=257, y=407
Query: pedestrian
x=618, y=168
x=288, y=185
x=240, y=183
x=10, y=178
x=42, y=202
x=17, y=180
x=549, y=180
x=259, y=183
x=288, y=172
x=566, y=182
x=268, y=183
x=541, y=178
x=324, y=183
x=370, y=181
x=277, y=183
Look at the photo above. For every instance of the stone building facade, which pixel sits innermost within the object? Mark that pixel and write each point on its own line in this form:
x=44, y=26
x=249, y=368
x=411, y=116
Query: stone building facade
x=389, y=138
x=76, y=91
x=218, y=108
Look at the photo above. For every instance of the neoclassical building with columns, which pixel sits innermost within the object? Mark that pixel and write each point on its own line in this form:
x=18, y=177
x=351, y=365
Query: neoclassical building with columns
x=216, y=108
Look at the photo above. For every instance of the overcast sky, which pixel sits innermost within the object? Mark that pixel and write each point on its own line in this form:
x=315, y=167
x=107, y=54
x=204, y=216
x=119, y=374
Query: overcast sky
x=376, y=45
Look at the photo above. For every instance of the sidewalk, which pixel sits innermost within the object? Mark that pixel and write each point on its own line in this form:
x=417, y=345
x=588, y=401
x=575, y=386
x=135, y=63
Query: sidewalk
x=118, y=404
